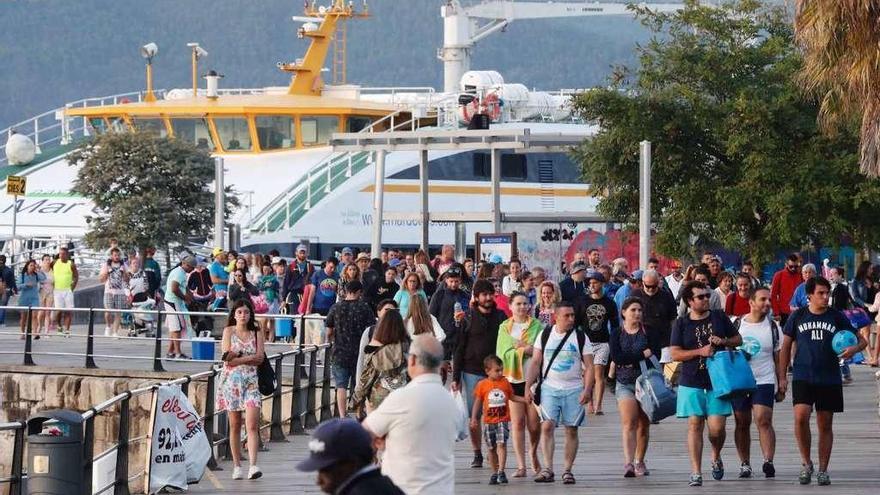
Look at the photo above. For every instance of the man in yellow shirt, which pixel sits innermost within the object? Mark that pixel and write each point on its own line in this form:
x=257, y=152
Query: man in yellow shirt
x=66, y=277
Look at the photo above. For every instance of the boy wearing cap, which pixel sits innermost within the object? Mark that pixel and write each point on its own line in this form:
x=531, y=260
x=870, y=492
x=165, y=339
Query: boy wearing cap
x=599, y=319
x=341, y=451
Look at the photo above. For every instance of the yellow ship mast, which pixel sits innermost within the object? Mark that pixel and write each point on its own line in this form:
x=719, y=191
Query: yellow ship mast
x=307, y=72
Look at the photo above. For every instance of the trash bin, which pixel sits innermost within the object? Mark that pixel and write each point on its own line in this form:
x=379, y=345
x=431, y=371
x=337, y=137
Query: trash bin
x=55, y=453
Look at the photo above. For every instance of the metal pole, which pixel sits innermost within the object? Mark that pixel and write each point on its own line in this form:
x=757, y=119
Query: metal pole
x=496, y=191
x=644, y=203
x=378, y=205
x=460, y=240
x=14, y=225
x=219, y=202
x=423, y=190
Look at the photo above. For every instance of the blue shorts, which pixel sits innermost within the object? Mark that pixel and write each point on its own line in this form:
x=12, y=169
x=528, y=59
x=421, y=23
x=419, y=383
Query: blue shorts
x=625, y=391
x=765, y=395
x=469, y=382
x=699, y=402
x=562, y=406
x=342, y=376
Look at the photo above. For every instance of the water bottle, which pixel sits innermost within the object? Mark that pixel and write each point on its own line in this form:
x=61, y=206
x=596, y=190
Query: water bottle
x=455, y=310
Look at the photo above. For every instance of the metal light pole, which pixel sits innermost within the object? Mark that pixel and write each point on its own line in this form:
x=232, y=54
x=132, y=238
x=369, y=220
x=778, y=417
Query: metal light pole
x=644, y=203
x=219, y=203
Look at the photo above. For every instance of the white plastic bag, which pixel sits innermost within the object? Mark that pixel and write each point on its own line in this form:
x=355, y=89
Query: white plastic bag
x=463, y=417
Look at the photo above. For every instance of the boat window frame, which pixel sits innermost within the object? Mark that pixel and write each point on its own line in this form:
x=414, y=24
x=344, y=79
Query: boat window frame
x=219, y=146
x=293, y=136
x=340, y=122
x=132, y=119
x=203, y=117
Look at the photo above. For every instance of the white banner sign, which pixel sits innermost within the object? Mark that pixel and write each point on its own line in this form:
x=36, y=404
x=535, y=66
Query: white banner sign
x=179, y=448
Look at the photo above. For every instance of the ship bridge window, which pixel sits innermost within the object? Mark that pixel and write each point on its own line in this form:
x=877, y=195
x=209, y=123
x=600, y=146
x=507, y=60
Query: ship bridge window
x=275, y=132
x=357, y=124
x=233, y=133
x=150, y=125
x=193, y=130
x=98, y=125
x=513, y=166
x=317, y=130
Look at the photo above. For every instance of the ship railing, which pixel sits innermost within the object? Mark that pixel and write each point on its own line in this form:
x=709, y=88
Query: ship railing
x=296, y=365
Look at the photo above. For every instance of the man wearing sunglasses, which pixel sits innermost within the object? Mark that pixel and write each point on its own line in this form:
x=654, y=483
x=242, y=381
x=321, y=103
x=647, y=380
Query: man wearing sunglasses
x=658, y=313
x=695, y=337
x=782, y=288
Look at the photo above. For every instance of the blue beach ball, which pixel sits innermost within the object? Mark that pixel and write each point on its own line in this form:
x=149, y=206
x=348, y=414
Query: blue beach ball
x=842, y=340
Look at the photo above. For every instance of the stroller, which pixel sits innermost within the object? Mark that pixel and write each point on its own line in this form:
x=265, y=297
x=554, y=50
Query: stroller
x=143, y=322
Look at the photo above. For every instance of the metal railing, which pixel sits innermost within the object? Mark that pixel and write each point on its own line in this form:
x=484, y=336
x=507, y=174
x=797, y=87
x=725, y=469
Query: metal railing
x=299, y=379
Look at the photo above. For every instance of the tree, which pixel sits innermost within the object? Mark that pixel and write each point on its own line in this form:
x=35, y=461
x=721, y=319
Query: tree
x=147, y=190
x=737, y=154
x=842, y=66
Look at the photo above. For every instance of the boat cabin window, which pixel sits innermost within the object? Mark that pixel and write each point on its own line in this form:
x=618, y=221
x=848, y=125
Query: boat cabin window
x=193, y=130
x=151, y=125
x=317, y=130
x=276, y=132
x=233, y=133
x=357, y=124
x=97, y=125
x=513, y=166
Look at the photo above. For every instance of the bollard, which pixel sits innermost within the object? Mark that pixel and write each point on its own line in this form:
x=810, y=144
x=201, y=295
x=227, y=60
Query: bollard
x=28, y=342
x=327, y=412
x=120, y=486
x=297, y=400
x=311, y=408
x=276, y=432
x=209, y=420
x=157, y=353
x=90, y=341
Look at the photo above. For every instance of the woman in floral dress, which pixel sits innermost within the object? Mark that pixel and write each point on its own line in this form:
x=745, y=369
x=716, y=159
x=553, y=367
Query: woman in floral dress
x=239, y=391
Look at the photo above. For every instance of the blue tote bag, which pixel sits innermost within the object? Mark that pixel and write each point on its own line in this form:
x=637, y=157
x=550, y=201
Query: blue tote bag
x=730, y=374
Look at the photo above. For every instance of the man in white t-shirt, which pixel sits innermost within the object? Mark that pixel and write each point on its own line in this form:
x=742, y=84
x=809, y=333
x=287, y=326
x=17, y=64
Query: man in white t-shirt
x=563, y=355
x=761, y=340
x=418, y=425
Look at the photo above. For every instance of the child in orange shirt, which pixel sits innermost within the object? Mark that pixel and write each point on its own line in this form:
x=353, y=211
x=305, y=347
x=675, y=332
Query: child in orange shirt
x=490, y=397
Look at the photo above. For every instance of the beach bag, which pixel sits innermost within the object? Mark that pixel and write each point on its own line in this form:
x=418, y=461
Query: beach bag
x=266, y=377
x=261, y=305
x=730, y=374
x=463, y=417
x=656, y=399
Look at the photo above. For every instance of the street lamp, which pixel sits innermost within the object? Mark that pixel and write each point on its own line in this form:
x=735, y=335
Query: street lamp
x=197, y=53
x=149, y=51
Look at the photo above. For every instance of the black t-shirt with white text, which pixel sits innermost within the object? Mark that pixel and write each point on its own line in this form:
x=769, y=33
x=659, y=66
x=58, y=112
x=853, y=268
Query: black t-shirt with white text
x=693, y=334
x=815, y=360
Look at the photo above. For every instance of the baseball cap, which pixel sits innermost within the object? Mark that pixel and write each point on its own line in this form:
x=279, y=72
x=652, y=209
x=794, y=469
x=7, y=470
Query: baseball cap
x=201, y=260
x=578, y=266
x=596, y=275
x=363, y=256
x=188, y=259
x=334, y=441
x=347, y=250
x=636, y=275
x=302, y=247
x=277, y=260
x=393, y=262
x=216, y=251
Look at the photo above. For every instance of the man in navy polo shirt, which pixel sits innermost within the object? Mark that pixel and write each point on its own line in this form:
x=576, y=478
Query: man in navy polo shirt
x=816, y=373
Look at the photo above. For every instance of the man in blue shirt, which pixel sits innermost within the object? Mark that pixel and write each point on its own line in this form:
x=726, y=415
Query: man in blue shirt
x=799, y=298
x=815, y=373
x=326, y=285
x=219, y=275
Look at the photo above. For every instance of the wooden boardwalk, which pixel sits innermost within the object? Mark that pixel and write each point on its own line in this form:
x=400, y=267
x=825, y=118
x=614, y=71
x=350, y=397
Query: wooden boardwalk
x=854, y=464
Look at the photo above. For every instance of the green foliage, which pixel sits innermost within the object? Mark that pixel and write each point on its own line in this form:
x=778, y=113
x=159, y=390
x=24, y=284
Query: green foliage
x=147, y=190
x=737, y=155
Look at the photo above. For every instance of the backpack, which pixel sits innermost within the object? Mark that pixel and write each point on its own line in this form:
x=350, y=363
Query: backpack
x=774, y=330
x=386, y=382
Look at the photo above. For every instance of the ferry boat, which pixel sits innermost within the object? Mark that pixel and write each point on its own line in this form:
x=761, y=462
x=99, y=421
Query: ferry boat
x=274, y=141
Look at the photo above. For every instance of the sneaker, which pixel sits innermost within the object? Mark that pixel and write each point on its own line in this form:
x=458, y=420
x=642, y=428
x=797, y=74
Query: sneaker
x=478, y=461
x=170, y=356
x=822, y=478
x=254, y=473
x=493, y=480
x=696, y=480
x=642, y=469
x=745, y=470
x=106, y=331
x=502, y=478
x=629, y=471
x=769, y=469
x=806, y=476
x=236, y=473
x=183, y=356
x=717, y=469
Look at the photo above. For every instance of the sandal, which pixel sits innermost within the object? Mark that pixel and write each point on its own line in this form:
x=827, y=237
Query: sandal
x=568, y=478
x=519, y=473
x=545, y=476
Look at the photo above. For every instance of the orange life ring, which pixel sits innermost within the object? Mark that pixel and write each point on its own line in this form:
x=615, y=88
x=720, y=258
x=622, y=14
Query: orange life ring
x=490, y=105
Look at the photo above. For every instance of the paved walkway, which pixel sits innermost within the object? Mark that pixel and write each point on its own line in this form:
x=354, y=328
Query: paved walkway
x=599, y=466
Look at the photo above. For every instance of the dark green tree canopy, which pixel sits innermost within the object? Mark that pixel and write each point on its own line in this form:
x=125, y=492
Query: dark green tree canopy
x=737, y=154
x=149, y=191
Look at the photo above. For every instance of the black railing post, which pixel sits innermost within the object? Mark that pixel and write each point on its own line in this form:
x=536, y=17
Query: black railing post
x=17, y=461
x=312, y=390
x=157, y=352
x=28, y=342
x=223, y=450
x=88, y=450
x=209, y=420
x=276, y=432
x=120, y=486
x=327, y=412
x=90, y=341
x=296, y=399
